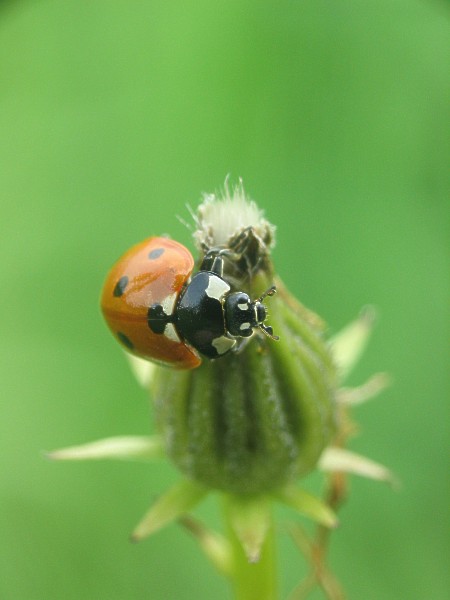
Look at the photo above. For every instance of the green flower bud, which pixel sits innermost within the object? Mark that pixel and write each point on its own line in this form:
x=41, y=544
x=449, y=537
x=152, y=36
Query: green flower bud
x=253, y=420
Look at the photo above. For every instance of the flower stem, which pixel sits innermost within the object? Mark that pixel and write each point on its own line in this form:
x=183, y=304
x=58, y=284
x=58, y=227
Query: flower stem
x=252, y=580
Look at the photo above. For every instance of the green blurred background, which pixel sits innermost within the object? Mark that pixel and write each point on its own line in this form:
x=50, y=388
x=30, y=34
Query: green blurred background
x=113, y=116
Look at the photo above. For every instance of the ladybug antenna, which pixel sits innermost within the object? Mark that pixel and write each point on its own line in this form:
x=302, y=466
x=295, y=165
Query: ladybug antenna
x=267, y=329
x=270, y=292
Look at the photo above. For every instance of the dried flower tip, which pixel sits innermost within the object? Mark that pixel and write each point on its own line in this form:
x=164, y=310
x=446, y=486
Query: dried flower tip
x=222, y=217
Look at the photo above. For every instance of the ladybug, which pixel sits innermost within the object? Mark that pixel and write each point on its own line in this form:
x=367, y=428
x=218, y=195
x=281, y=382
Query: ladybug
x=158, y=312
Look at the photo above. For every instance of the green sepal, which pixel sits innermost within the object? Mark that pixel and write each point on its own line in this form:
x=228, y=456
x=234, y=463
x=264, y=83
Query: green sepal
x=308, y=505
x=368, y=390
x=124, y=447
x=177, y=501
x=250, y=519
x=142, y=369
x=215, y=546
x=341, y=460
x=348, y=345
x=251, y=579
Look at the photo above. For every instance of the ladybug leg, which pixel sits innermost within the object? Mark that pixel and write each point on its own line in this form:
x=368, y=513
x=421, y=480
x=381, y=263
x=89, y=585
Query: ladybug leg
x=213, y=262
x=217, y=266
x=241, y=344
x=242, y=240
x=243, y=251
x=209, y=258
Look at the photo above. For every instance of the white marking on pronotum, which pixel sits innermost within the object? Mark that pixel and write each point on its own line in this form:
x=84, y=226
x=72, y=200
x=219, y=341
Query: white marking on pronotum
x=168, y=304
x=243, y=306
x=171, y=333
x=244, y=326
x=217, y=288
x=223, y=344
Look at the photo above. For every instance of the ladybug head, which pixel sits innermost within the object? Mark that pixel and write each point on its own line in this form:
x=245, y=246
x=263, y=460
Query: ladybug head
x=242, y=315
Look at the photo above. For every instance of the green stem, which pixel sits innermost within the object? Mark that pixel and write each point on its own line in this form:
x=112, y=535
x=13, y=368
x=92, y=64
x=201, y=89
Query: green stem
x=252, y=580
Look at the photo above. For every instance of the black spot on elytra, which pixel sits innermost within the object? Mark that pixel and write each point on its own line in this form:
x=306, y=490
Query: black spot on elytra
x=157, y=318
x=125, y=340
x=120, y=286
x=156, y=253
